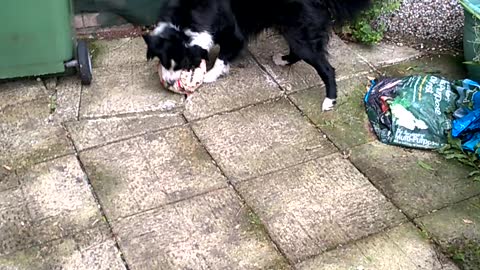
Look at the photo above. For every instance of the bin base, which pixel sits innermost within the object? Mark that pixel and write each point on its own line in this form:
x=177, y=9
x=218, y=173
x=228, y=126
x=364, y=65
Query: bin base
x=32, y=70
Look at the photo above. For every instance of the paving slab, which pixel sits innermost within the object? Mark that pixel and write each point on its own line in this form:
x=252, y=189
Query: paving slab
x=301, y=75
x=396, y=249
x=18, y=94
x=127, y=89
x=118, y=52
x=93, y=249
x=319, y=205
x=38, y=144
x=384, y=54
x=150, y=171
x=457, y=230
x=458, y=222
x=212, y=231
x=66, y=105
x=261, y=139
x=448, y=66
x=21, y=91
x=347, y=125
x=97, y=132
x=27, y=134
x=52, y=201
x=416, y=181
x=246, y=84
x=7, y=178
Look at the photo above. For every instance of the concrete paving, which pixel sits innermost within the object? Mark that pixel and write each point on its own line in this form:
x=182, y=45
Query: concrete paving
x=247, y=173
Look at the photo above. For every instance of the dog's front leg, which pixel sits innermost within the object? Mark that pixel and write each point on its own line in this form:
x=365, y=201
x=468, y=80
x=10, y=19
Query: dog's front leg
x=231, y=44
x=220, y=68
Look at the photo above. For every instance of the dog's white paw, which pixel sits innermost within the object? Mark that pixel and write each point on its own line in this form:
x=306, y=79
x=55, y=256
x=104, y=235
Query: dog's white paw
x=277, y=59
x=220, y=68
x=328, y=104
x=210, y=77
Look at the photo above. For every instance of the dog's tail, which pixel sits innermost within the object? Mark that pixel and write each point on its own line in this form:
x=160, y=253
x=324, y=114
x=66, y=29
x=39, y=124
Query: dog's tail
x=345, y=10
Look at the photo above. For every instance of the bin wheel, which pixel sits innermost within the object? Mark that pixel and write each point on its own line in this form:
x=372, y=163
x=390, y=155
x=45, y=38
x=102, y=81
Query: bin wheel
x=84, y=62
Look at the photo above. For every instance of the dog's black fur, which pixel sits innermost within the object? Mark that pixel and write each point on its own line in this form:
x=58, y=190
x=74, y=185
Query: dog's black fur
x=305, y=24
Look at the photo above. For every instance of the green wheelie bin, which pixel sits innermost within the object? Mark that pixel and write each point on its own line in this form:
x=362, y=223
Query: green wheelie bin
x=37, y=38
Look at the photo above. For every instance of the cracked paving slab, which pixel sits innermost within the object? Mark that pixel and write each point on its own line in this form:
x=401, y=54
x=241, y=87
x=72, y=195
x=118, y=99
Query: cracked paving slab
x=318, y=205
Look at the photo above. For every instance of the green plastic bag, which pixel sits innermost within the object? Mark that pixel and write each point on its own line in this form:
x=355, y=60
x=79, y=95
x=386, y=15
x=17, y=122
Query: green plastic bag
x=411, y=111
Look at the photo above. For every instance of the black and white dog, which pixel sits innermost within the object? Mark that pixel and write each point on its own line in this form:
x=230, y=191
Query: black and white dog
x=188, y=29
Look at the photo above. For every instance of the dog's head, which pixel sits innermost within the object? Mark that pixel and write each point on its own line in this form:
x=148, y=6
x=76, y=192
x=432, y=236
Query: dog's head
x=175, y=51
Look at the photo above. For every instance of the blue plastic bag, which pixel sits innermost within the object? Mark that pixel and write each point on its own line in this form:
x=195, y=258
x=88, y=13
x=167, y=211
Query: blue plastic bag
x=466, y=126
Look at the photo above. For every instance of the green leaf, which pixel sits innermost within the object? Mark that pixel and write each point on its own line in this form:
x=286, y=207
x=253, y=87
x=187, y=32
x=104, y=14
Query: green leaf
x=425, y=166
x=472, y=63
x=459, y=257
x=474, y=173
x=366, y=28
x=456, y=156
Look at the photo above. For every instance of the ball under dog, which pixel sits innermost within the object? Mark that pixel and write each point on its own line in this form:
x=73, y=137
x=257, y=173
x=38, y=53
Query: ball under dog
x=190, y=80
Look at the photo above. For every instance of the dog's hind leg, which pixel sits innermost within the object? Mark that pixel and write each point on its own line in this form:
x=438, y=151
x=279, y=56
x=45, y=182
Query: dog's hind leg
x=313, y=52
